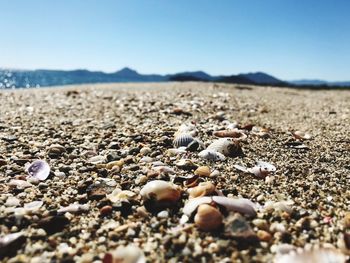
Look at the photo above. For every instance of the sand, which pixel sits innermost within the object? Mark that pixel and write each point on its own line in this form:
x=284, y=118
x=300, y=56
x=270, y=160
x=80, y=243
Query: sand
x=79, y=129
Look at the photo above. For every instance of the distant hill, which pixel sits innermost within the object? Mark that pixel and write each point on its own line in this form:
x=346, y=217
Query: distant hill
x=35, y=78
x=262, y=78
x=316, y=82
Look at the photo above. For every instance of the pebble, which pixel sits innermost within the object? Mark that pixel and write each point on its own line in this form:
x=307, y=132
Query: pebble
x=264, y=236
x=105, y=210
x=12, y=201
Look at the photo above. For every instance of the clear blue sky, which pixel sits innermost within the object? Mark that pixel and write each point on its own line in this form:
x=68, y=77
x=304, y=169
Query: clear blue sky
x=290, y=39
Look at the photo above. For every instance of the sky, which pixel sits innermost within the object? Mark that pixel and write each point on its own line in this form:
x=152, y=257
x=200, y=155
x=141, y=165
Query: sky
x=290, y=39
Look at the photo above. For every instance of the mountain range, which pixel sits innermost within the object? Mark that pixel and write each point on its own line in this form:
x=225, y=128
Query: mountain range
x=35, y=78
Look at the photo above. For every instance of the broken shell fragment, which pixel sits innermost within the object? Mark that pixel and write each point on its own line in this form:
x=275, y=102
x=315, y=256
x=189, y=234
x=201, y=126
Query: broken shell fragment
x=262, y=169
x=319, y=255
x=33, y=207
x=119, y=194
x=237, y=134
x=128, y=254
x=203, y=189
x=212, y=155
x=226, y=146
x=203, y=171
x=208, y=218
x=161, y=191
x=241, y=205
x=193, y=204
x=74, y=208
x=300, y=135
x=39, y=169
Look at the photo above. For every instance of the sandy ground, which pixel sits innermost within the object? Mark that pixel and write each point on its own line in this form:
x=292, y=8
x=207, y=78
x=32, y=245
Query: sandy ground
x=305, y=203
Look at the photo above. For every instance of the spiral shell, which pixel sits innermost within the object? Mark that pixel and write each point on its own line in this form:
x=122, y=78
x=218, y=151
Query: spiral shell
x=226, y=146
x=160, y=191
x=182, y=140
x=208, y=218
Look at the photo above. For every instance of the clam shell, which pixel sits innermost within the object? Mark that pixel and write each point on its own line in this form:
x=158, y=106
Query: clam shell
x=33, y=206
x=160, y=191
x=300, y=135
x=241, y=205
x=208, y=218
x=262, y=169
x=39, y=169
x=212, y=155
x=319, y=255
x=226, y=146
x=182, y=140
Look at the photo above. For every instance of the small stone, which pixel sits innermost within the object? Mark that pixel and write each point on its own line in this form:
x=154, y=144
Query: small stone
x=145, y=150
x=346, y=221
x=105, y=210
x=261, y=224
x=53, y=224
x=264, y=236
x=163, y=214
x=238, y=228
x=12, y=201
x=56, y=150
x=203, y=171
x=2, y=162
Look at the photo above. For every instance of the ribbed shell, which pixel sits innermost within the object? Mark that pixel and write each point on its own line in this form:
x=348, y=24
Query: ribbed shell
x=182, y=140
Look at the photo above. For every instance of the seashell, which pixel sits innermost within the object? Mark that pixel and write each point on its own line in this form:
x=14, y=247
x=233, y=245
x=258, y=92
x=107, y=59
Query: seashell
x=39, y=169
x=119, y=194
x=160, y=191
x=12, y=201
x=202, y=171
x=163, y=169
x=237, y=134
x=262, y=169
x=56, y=150
x=203, y=189
x=226, y=146
x=241, y=205
x=284, y=206
x=20, y=184
x=208, y=218
x=187, y=128
x=300, y=135
x=192, y=205
x=192, y=181
x=182, y=140
x=33, y=207
x=74, y=208
x=211, y=155
x=260, y=132
x=186, y=164
x=128, y=254
x=319, y=255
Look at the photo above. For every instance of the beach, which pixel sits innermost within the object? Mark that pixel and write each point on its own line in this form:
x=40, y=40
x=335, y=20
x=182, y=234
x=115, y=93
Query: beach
x=102, y=137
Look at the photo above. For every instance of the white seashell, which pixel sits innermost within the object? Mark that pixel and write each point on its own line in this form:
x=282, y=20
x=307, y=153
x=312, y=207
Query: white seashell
x=192, y=204
x=240, y=168
x=300, y=135
x=319, y=255
x=160, y=191
x=164, y=169
x=39, y=169
x=74, y=208
x=20, y=184
x=128, y=254
x=182, y=140
x=9, y=238
x=225, y=146
x=284, y=206
x=240, y=205
x=212, y=155
x=187, y=128
x=33, y=206
x=262, y=169
x=176, y=151
x=119, y=194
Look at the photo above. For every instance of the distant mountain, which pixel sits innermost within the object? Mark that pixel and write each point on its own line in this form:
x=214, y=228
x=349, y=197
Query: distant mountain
x=34, y=78
x=262, y=78
x=316, y=82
